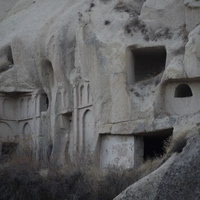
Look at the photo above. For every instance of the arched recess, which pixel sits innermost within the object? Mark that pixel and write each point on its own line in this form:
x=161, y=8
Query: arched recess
x=22, y=109
x=29, y=107
x=182, y=91
x=88, y=130
x=81, y=94
x=44, y=102
x=47, y=73
x=27, y=129
x=88, y=93
x=5, y=130
x=8, y=109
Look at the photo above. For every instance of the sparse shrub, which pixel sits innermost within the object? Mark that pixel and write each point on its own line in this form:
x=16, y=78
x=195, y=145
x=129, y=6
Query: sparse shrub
x=19, y=181
x=137, y=25
x=167, y=34
x=23, y=179
x=176, y=143
x=149, y=166
x=106, y=22
x=127, y=29
x=123, y=7
x=92, y=5
x=115, y=181
x=90, y=8
x=183, y=33
x=146, y=37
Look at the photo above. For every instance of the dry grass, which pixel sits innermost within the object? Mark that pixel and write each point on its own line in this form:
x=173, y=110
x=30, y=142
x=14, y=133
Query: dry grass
x=176, y=144
x=149, y=166
x=172, y=145
x=137, y=25
x=24, y=179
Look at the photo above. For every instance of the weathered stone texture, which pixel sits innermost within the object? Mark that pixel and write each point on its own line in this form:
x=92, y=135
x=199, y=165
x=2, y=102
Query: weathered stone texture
x=178, y=178
x=107, y=69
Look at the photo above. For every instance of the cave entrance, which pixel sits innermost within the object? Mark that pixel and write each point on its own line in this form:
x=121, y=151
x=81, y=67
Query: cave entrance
x=154, y=143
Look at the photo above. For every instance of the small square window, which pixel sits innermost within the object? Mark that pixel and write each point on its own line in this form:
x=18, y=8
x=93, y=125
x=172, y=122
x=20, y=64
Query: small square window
x=145, y=63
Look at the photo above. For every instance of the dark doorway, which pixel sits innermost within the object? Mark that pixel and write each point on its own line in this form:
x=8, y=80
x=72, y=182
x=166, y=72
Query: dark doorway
x=154, y=143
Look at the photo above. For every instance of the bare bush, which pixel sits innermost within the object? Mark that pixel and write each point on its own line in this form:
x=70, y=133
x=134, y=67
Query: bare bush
x=176, y=143
x=22, y=178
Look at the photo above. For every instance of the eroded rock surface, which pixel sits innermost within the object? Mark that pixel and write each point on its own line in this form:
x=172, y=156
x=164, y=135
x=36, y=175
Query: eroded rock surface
x=100, y=77
x=178, y=178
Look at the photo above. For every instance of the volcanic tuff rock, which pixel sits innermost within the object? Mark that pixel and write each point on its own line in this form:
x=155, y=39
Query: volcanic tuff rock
x=178, y=178
x=100, y=77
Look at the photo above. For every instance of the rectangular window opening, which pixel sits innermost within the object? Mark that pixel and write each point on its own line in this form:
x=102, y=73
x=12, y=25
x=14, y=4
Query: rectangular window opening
x=154, y=143
x=145, y=63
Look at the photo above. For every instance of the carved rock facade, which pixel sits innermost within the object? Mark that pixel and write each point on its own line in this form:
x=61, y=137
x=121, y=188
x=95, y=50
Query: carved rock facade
x=109, y=78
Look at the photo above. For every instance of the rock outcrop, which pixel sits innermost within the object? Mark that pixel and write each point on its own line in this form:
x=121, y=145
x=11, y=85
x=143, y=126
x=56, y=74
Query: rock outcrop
x=178, y=178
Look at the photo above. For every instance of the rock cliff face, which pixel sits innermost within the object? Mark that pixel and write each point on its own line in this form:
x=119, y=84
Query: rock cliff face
x=103, y=77
x=178, y=178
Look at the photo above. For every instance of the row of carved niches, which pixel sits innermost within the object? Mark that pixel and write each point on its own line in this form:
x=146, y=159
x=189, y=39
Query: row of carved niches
x=182, y=98
x=20, y=106
x=10, y=136
x=85, y=118
x=12, y=129
x=84, y=95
